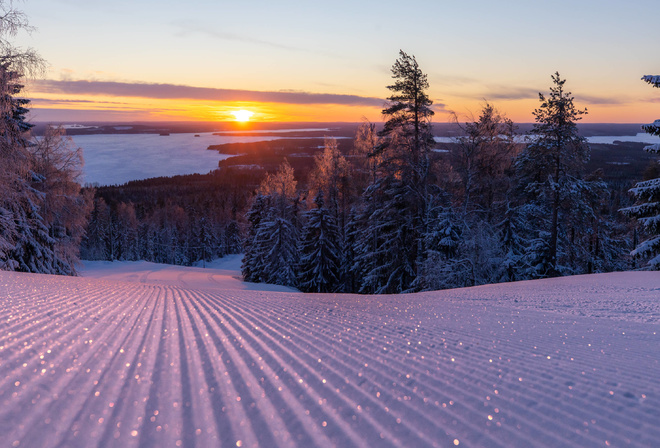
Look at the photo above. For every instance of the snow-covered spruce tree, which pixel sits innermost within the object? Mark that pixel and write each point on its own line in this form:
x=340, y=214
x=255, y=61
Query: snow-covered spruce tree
x=29, y=247
x=385, y=250
x=647, y=209
x=232, y=237
x=93, y=246
x=511, y=230
x=43, y=213
x=23, y=236
x=271, y=252
x=400, y=195
x=252, y=260
x=549, y=172
x=318, y=268
x=332, y=176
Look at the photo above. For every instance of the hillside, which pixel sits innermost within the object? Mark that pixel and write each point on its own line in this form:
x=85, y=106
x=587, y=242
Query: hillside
x=139, y=354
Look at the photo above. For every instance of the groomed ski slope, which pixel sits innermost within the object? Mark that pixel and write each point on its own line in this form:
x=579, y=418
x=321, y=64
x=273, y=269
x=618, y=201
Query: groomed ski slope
x=156, y=356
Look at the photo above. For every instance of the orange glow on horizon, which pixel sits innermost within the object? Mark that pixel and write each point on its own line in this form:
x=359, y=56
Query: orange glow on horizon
x=102, y=108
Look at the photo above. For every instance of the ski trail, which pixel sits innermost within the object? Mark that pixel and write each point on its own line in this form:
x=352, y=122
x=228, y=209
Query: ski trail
x=109, y=363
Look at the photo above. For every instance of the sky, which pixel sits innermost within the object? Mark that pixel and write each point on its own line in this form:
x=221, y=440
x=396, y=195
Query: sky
x=133, y=60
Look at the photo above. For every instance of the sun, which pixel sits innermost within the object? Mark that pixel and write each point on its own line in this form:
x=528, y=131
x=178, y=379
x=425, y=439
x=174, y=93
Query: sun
x=242, y=115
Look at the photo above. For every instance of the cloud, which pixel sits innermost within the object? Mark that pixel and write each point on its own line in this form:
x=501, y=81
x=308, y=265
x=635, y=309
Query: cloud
x=602, y=100
x=526, y=93
x=512, y=93
x=452, y=80
x=74, y=115
x=438, y=107
x=173, y=91
x=56, y=101
x=190, y=27
x=500, y=93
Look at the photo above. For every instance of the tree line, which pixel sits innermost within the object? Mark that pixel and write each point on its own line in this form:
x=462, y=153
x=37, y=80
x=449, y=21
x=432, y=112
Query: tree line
x=394, y=214
x=183, y=220
x=398, y=216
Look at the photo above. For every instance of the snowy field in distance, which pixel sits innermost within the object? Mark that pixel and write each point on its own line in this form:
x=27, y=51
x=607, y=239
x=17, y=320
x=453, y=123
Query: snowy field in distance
x=118, y=158
x=140, y=354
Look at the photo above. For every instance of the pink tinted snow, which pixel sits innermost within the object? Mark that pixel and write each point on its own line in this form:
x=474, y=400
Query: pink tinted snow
x=155, y=356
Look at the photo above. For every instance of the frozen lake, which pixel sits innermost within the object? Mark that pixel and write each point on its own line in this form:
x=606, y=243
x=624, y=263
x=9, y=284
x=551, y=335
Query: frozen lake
x=114, y=159
x=641, y=137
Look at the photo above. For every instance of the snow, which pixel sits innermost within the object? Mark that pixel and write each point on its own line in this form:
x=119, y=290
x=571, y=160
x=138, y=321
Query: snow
x=220, y=274
x=140, y=354
x=652, y=79
x=653, y=148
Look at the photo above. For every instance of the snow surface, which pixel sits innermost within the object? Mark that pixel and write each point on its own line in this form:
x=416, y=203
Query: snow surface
x=160, y=356
x=223, y=273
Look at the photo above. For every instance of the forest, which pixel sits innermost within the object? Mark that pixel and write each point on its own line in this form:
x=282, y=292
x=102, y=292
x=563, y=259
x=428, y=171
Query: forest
x=391, y=210
x=387, y=211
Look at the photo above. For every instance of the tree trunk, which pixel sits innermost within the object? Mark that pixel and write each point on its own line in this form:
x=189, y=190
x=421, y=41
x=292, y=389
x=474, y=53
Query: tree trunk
x=555, y=221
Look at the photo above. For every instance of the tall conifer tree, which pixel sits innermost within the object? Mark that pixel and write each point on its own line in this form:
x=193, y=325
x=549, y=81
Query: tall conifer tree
x=647, y=209
x=550, y=168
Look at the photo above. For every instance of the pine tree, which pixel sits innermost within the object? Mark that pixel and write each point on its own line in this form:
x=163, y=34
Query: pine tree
x=398, y=198
x=549, y=169
x=409, y=113
x=318, y=269
x=647, y=209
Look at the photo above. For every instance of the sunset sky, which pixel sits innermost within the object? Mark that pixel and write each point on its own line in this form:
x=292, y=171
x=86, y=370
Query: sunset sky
x=126, y=60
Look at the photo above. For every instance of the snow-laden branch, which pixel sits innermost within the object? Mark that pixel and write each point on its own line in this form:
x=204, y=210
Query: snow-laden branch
x=655, y=149
x=654, y=80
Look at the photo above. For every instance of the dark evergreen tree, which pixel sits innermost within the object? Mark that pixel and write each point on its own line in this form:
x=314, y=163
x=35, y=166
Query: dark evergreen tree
x=400, y=195
x=271, y=252
x=318, y=269
x=514, y=243
x=253, y=258
x=550, y=169
x=233, y=240
x=366, y=235
x=277, y=241
x=647, y=193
